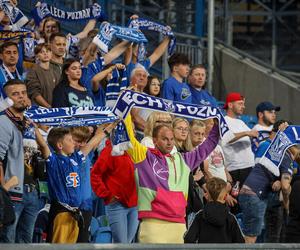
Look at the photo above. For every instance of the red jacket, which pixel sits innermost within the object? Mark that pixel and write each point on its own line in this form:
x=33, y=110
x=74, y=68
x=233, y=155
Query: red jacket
x=113, y=176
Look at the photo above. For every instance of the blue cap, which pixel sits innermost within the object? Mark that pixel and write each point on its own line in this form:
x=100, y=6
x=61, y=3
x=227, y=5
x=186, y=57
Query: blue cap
x=263, y=106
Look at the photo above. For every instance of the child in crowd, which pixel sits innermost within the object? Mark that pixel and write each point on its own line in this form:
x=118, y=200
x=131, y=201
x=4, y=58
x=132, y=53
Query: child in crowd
x=214, y=224
x=64, y=165
x=81, y=136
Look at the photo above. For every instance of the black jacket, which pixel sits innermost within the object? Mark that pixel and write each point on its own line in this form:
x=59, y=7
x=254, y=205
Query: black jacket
x=214, y=224
x=293, y=226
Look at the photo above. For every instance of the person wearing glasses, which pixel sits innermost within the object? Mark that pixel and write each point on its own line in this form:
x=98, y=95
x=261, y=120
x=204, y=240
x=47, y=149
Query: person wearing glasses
x=181, y=128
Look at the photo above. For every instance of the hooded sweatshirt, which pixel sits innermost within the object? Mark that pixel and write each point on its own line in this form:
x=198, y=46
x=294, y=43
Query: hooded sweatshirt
x=163, y=180
x=214, y=224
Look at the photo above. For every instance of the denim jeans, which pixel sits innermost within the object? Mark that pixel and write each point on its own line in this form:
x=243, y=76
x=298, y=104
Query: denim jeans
x=253, y=213
x=274, y=218
x=123, y=222
x=26, y=212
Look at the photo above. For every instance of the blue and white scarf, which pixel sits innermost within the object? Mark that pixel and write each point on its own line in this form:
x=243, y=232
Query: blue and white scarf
x=129, y=99
x=81, y=116
x=72, y=48
x=275, y=152
x=70, y=116
x=29, y=44
x=116, y=84
x=45, y=10
x=144, y=24
x=15, y=15
x=7, y=74
x=25, y=35
x=107, y=31
x=262, y=136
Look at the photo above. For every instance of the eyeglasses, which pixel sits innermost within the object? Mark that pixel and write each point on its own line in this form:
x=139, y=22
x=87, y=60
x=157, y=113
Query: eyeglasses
x=183, y=129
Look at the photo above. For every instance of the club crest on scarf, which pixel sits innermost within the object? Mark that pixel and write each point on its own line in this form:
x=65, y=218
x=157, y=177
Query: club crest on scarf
x=276, y=150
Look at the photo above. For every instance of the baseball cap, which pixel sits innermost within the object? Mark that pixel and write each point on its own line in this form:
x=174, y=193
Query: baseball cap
x=233, y=97
x=263, y=106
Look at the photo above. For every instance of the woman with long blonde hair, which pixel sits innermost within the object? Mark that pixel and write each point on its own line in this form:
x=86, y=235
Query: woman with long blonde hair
x=181, y=128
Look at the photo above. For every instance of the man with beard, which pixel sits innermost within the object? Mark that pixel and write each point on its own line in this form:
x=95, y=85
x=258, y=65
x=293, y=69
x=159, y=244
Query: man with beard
x=58, y=44
x=9, y=55
x=12, y=127
x=274, y=215
x=266, y=117
x=238, y=154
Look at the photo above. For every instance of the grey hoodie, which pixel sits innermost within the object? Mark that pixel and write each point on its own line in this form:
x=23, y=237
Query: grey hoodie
x=11, y=152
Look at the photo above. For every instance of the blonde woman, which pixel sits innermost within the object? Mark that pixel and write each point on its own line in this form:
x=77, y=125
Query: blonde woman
x=181, y=128
x=154, y=119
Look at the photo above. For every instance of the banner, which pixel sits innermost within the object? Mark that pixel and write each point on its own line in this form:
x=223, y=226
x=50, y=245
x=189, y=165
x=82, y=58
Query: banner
x=129, y=99
x=275, y=152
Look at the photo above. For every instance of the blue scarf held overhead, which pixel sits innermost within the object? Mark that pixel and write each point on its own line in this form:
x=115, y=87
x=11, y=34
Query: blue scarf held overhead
x=70, y=116
x=115, y=86
x=276, y=150
x=45, y=10
x=129, y=99
x=15, y=15
x=107, y=31
x=81, y=116
x=144, y=24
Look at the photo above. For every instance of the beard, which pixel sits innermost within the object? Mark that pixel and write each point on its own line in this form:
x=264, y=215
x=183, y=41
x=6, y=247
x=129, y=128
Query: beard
x=267, y=122
x=20, y=108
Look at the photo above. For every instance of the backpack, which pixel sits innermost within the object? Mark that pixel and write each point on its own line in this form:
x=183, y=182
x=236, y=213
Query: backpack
x=100, y=231
x=7, y=212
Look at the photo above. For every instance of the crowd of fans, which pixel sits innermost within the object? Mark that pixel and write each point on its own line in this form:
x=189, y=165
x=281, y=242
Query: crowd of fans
x=178, y=183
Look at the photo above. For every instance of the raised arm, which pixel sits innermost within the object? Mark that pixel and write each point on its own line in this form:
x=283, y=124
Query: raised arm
x=115, y=52
x=88, y=27
x=200, y=153
x=44, y=148
x=159, y=51
x=138, y=151
x=100, y=76
x=97, y=138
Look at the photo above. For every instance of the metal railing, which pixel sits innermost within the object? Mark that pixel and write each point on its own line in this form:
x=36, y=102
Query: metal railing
x=145, y=246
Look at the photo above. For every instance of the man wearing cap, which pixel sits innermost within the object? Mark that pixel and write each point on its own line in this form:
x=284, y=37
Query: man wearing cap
x=238, y=154
x=266, y=115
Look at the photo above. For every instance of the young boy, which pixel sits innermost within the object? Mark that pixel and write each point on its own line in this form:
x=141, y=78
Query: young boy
x=63, y=169
x=174, y=88
x=81, y=136
x=214, y=224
